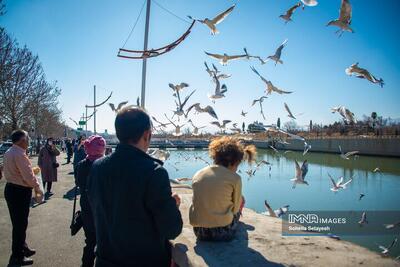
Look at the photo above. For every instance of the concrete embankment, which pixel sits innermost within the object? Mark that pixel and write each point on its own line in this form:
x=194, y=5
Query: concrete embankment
x=389, y=147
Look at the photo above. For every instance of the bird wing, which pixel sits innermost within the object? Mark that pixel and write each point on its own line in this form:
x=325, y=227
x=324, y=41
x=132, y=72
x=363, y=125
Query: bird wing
x=279, y=91
x=234, y=57
x=292, y=9
x=288, y=110
x=138, y=102
x=220, y=17
x=393, y=243
x=187, y=98
x=216, y=123
x=111, y=106
x=192, y=106
x=346, y=183
x=211, y=111
x=170, y=120
x=120, y=105
x=351, y=153
x=297, y=170
x=183, y=85
x=278, y=51
x=225, y=122
x=217, y=56
x=258, y=74
x=304, y=169
x=154, y=119
x=215, y=68
x=345, y=12
x=172, y=86
x=332, y=180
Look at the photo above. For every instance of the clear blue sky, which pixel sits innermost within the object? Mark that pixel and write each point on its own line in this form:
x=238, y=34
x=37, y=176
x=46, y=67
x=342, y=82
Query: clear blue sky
x=77, y=42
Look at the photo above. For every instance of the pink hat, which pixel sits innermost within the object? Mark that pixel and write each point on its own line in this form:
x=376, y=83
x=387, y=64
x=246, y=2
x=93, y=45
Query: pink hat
x=95, y=147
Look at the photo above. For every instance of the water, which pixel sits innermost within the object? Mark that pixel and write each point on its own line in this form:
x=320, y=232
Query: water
x=382, y=190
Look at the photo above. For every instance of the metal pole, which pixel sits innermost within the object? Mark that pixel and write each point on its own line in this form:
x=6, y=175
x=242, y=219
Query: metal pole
x=144, y=66
x=94, y=110
x=86, y=120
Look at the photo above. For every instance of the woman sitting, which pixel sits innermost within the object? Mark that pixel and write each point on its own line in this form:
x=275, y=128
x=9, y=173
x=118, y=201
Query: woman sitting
x=217, y=191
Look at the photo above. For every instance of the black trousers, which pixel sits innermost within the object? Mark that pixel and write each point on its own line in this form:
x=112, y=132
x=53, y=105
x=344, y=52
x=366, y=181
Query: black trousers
x=90, y=233
x=49, y=184
x=18, y=200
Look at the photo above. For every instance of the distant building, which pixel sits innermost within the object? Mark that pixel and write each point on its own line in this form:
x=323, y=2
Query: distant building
x=256, y=127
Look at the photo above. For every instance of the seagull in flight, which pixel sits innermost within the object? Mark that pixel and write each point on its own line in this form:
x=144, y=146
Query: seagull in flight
x=344, y=20
x=159, y=154
x=223, y=59
x=275, y=213
x=216, y=72
x=363, y=219
x=211, y=23
x=392, y=225
x=363, y=74
x=269, y=86
x=219, y=90
x=275, y=57
x=339, y=184
x=243, y=113
x=180, y=105
x=348, y=154
x=309, y=2
x=178, y=87
x=208, y=109
x=361, y=196
x=346, y=114
x=288, y=15
x=260, y=101
x=195, y=129
x=219, y=125
x=307, y=147
x=300, y=174
x=177, y=127
x=290, y=114
x=161, y=124
x=385, y=250
x=119, y=107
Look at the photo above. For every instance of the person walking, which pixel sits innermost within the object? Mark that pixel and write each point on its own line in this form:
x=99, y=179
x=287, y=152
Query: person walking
x=79, y=152
x=48, y=164
x=134, y=210
x=217, y=191
x=18, y=193
x=70, y=150
x=95, y=147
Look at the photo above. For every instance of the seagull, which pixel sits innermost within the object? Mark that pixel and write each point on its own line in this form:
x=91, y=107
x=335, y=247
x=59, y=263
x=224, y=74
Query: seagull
x=270, y=87
x=199, y=109
x=363, y=219
x=162, y=125
x=274, y=149
x=348, y=154
x=346, y=114
x=219, y=90
x=385, y=250
x=179, y=105
x=216, y=72
x=223, y=59
x=300, y=174
x=288, y=15
x=159, y=154
x=306, y=148
x=309, y=2
x=275, y=213
x=392, y=225
x=119, y=107
x=235, y=128
x=178, y=87
x=177, y=127
x=219, y=125
x=339, y=184
x=277, y=56
x=243, y=113
x=344, y=20
x=260, y=101
x=361, y=196
x=211, y=23
x=376, y=170
x=361, y=73
x=195, y=129
x=289, y=112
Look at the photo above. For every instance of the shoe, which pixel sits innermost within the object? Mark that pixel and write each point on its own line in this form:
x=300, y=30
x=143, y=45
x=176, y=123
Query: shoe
x=29, y=252
x=20, y=262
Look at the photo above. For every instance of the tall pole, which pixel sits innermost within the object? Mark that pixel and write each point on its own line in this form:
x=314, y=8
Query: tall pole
x=94, y=109
x=144, y=66
x=86, y=119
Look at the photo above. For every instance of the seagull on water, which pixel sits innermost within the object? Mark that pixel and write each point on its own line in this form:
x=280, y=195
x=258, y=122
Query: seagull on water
x=346, y=114
x=199, y=109
x=344, y=20
x=223, y=59
x=300, y=174
x=270, y=87
x=211, y=23
x=288, y=15
x=260, y=101
x=219, y=90
x=348, y=154
x=361, y=73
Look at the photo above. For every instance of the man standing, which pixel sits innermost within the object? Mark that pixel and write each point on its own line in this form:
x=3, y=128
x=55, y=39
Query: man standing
x=18, y=193
x=70, y=150
x=134, y=210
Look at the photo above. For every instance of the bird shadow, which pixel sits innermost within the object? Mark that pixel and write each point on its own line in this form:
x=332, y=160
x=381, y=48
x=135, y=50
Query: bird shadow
x=70, y=195
x=234, y=253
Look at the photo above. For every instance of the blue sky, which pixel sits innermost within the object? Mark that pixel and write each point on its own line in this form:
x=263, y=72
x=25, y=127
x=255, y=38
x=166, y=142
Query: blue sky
x=77, y=42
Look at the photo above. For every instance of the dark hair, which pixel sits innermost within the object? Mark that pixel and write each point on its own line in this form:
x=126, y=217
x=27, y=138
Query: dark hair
x=228, y=151
x=131, y=123
x=17, y=135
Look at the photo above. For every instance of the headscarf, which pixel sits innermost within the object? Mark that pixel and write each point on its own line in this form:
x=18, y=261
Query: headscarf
x=95, y=147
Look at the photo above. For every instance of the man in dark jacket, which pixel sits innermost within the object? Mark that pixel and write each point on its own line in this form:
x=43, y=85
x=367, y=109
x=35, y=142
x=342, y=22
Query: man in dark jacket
x=134, y=210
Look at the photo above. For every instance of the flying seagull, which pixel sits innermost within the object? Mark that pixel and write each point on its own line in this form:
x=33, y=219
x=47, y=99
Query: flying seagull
x=177, y=127
x=260, y=101
x=161, y=124
x=219, y=125
x=180, y=105
x=243, y=113
x=385, y=250
x=346, y=114
x=300, y=174
x=363, y=74
x=195, y=128
x=307, y=147
x=275, y=213
x=275, y=57
x=119, y=107
x=361, y=196
x=339, y=184
x=216, y=72
x=159, y=154
x=348, y=154
x=290, y=114
x=309, y=2
x=211, y=23
x=178, y=87
x=344, y=20
x=392, y=225
x=363, y=219
x=269, y=86
x=223, y=59
x=288, y=15
x=219, y=90
x=199, y=109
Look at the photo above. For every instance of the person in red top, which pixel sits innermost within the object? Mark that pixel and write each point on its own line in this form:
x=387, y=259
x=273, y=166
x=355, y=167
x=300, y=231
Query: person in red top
x=17, y=171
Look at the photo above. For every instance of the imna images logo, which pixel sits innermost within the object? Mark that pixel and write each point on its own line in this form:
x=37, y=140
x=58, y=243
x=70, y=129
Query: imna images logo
x=312, y=218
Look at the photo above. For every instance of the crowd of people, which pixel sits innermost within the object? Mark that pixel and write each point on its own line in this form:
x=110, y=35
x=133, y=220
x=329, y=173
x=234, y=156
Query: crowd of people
x=128, y=210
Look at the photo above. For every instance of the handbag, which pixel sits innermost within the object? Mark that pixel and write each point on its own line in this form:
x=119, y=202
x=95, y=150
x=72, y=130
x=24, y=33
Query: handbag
x=76, y=222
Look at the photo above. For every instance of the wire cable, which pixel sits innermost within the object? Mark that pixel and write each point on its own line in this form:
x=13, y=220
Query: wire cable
x=170, y=12
x=134, y=25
